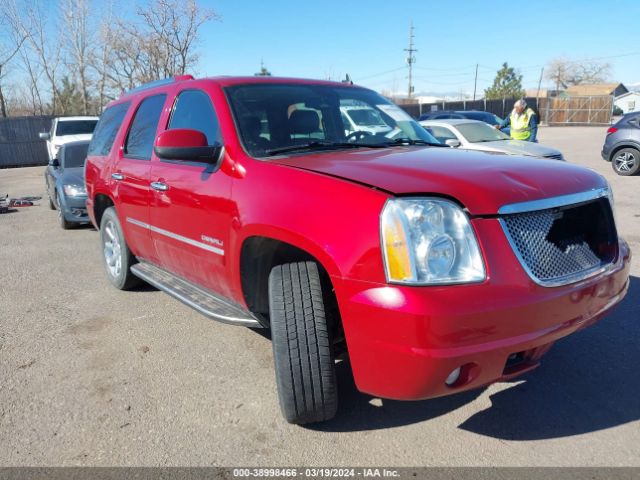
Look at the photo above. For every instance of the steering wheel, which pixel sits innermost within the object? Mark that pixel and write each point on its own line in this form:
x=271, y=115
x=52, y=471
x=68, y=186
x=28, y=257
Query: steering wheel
x=358, y=135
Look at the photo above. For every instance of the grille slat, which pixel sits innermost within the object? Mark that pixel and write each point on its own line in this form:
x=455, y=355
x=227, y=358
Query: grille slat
x=560, y=245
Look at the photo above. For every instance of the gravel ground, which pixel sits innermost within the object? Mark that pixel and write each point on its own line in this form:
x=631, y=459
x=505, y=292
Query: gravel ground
x=93, y=376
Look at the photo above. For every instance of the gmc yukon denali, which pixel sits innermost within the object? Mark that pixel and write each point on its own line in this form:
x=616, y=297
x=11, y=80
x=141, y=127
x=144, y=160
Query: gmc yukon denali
x=432, y=270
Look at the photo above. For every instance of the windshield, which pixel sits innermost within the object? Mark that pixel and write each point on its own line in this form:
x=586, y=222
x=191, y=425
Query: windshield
x=270, y=117
x=480, y=132
x=366, y=117
x=75, y=127
x=75, y=155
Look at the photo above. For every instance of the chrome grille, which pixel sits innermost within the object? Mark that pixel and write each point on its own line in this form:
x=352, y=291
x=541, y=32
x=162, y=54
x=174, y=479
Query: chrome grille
x=561, y=245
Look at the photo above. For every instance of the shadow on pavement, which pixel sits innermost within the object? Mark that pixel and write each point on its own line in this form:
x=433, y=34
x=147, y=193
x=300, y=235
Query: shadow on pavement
x=589, y=381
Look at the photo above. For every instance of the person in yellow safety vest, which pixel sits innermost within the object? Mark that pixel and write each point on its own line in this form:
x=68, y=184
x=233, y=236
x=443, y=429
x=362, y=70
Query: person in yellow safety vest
x=523, y=122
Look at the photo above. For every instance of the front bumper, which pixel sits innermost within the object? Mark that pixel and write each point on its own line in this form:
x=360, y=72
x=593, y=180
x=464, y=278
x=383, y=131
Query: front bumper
x=405, y=341
x=74, y=209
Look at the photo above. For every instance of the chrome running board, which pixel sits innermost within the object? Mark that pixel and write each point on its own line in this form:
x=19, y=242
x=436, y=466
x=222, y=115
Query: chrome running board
x=205, y=302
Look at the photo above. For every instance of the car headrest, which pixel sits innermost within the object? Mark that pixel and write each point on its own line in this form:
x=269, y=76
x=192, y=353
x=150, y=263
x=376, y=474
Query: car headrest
x=304, y=122
x=251, y=125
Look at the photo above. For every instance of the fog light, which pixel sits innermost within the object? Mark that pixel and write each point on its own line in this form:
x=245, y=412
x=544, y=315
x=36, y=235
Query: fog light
x=453, y=377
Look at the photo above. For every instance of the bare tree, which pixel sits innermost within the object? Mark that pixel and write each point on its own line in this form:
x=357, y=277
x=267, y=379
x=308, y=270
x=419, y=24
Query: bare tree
x=172, y=31
x=564, y=72
x=46, y=48
x=9, y=46
x=78, y=42
x=73, y=54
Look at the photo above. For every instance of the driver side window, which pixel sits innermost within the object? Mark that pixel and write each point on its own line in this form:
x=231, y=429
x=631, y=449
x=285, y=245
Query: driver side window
x=193, y=110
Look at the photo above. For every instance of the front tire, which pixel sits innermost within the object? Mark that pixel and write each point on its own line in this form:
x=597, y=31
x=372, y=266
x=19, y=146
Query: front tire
x=626, y=162
x=115, y=252
x=302, y=349
x=64, y=224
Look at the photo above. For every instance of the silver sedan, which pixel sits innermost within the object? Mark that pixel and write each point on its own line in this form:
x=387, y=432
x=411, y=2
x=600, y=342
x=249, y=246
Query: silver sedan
x=479, y=136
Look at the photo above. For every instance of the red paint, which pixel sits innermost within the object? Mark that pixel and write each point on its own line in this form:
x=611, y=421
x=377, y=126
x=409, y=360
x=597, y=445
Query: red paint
x=403, y=341
x=181, y=137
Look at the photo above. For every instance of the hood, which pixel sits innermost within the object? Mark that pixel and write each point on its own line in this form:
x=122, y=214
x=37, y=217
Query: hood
x=72, y=176
x=72, y=138
x=481, y=182
x=518, y=147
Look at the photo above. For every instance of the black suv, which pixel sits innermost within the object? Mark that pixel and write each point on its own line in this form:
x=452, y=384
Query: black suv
x=486, y=117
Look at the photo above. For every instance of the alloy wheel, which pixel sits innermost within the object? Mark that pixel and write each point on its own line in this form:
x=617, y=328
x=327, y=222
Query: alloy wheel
x=625, y=162
x=112, y=250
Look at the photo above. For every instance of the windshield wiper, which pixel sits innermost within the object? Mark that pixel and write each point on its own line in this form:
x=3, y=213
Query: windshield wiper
x=408, y=141
x=321, y=145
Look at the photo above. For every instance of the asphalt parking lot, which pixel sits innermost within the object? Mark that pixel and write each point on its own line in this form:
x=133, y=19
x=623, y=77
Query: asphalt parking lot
x=90, y=375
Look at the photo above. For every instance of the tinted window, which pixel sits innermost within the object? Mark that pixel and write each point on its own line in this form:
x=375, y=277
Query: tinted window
x=74, y=155
x=75, y=127
x=107, y=129
x=143, y=128
x=193, y=109
x=482, y=116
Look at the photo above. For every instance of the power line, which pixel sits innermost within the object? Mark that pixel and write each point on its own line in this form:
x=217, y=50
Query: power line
x=381, y=73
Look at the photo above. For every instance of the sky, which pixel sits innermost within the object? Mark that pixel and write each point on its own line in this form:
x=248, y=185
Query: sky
x=328, y=39
x=366, y=39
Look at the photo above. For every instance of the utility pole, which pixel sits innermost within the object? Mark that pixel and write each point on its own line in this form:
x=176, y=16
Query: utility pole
x=475, y=84
x=538, y=93
x=411, y=59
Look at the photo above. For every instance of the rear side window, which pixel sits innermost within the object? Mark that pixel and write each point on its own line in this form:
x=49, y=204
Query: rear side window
x=142, y=133
x=107, y=129
x=193, y=110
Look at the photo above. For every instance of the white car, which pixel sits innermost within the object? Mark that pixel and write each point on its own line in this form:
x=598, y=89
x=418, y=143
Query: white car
x=67, y=129
x=363, y=119
x=479, y=136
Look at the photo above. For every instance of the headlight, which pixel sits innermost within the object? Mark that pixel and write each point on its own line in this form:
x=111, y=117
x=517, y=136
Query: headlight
x=75, y=190
x=429, y=241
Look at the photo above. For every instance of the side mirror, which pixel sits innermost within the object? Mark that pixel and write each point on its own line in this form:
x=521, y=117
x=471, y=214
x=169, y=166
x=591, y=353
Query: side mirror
x=55, y=163
x=45, y=136
x=188, y=145
x=452, y=142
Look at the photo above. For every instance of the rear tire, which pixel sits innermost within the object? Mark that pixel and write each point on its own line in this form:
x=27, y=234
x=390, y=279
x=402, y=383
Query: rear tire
x=302, y=348
x=626, y=162
x=115, y=253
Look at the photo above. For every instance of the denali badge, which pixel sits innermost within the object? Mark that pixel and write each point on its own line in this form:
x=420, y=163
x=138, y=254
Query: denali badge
x=211, y=240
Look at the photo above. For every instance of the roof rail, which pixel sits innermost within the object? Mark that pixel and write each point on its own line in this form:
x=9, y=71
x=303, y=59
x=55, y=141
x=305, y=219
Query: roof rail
x=158, y=83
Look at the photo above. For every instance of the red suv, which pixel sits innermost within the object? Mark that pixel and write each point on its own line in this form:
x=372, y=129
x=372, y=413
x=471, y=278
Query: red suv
x=434, y=270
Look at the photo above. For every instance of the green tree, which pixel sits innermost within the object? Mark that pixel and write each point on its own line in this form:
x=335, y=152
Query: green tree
x=70, y=98
x=507, y=84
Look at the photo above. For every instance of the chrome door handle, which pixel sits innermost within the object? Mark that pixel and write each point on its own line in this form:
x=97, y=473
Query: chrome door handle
x=161, y=187
x=117, y=176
